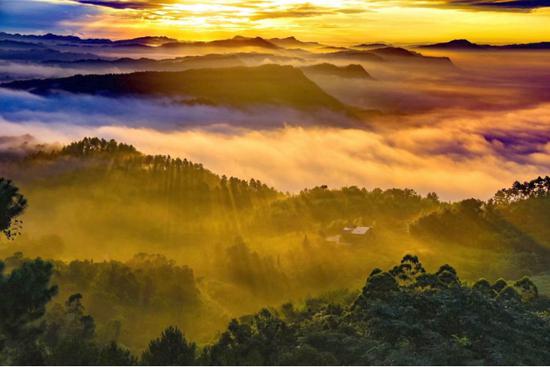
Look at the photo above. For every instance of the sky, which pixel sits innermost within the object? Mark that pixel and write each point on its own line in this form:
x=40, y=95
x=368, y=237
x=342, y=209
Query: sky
x=338, y=22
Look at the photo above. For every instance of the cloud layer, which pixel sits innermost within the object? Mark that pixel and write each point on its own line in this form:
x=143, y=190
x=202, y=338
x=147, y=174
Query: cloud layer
x=457, y=155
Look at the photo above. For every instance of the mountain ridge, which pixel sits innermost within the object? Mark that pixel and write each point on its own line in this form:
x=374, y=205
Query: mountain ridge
x=464, y=44
x=234, y=86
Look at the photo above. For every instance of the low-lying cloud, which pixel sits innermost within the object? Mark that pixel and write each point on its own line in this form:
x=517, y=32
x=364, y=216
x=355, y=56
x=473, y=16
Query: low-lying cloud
x=158, y=114
x=457, y=155
x=460, y=134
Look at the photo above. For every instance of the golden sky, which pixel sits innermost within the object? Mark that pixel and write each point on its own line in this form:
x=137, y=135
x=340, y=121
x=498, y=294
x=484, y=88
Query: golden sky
x=346, y=21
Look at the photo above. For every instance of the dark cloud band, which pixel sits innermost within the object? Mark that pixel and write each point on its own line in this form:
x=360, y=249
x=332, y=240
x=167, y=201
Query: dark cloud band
x=121, y=4
x=502, y=4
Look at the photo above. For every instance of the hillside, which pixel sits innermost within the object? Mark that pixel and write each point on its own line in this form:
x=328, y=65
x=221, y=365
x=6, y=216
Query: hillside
x=349, y=71
x=181, y=202
x=398, y=54
x=237, y=246
x=239, y=86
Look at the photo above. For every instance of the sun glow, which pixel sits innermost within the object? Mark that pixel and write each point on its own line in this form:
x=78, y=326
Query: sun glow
x=329, y=21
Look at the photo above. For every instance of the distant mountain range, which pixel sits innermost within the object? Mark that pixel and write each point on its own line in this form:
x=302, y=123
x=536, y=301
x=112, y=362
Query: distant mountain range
x=465, y=45
x=73, y=40
x=100, y=54
x=154, y=41
x=239, y=87
x=237, y=41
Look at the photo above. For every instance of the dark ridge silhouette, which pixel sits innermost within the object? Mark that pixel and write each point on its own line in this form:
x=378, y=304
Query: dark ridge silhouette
x=465, y=45
x=371, y=45
x=358, y=55
x=394, y=52
x=16, y=45
x=403, y=55
x=349, y=71
x=49, y=37
x=139, y=42
x=146, y=41
x=459, y=44
x=235, y=42
x=238, y=87
x=525, y=46
x=293, y=42
x=147, y=64
x=38, y=54
x=127, y=64
x=389, y=54
x=240, y=41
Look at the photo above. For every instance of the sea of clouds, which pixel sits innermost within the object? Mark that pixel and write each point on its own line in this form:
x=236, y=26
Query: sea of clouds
x=462, y=135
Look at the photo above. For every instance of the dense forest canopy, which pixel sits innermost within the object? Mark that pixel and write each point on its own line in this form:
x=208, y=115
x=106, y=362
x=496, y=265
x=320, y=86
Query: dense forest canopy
x=402, y=316
x=149, y=254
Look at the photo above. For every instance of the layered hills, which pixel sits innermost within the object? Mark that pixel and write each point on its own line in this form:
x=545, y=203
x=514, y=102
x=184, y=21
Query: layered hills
x=237, y=86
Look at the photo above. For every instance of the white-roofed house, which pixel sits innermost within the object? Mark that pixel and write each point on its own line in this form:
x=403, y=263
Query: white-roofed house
x=356, y=234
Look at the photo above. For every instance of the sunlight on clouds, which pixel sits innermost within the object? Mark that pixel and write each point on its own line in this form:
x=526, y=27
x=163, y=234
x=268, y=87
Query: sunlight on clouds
x=458, y=156
x=321, y=20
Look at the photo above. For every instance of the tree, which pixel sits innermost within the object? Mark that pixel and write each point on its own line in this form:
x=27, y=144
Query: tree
x=24, y=294
x=12, y=204
x=484, y=287
x=170, y=349
x=306, y=355
x=70, y=335
x=527, y=289
x=409, y=269
x=114, y=355
x=260, y=339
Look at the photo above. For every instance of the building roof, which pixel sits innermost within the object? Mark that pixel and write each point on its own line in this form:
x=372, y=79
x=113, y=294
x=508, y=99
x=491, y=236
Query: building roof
x=360, y=230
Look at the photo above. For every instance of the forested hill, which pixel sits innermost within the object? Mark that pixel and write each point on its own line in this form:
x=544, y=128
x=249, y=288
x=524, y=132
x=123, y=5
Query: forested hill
x=136, y=242
x=174, y=179
x=403, y=316
x=145, y=202
x=283, y=86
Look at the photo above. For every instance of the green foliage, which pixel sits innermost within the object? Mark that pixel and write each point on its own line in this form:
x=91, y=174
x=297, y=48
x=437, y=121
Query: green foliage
x=113, y=355
x=496, y=229
x=94, y=147
x=405, y=315
x=24, y=293
x=258, y=340
x=129, y=300
x=306, y=355
x=409, y=269
x=484, y=287
x=64, y=335
x=537, y=188
x=528, y=290
x=69, y=334
x=170, y=349
x=321, y=205
x=499, y=285
x=400, y=323
x=430, y=318
x=12, y=204
x=526, y=205
x=509, y=294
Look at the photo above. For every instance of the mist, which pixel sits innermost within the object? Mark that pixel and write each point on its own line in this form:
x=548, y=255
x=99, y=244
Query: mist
x=446, y=154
